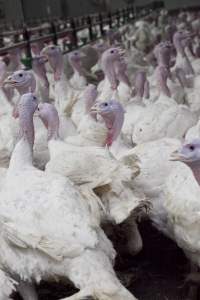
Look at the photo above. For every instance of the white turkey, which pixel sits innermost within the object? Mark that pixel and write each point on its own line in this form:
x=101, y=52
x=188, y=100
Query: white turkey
x=92, y=169
x=35, y=248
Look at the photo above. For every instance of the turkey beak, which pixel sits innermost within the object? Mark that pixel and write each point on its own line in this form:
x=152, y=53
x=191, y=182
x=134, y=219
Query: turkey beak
x=175, y=156
x=122, y=52
x=95, y=108
x=44, y=54
x=82, y=55
x=44, y=59
x=37, y=113
x=9, y=81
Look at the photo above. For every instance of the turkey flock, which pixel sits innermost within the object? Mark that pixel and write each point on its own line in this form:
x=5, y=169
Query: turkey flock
x=108, y=134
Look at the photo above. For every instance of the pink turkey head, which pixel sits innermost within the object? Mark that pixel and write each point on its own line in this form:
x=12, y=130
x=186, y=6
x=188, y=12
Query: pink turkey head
x=54, y=55
x=178, y=40
x=189, y=154
x=23, y=81
x=112, y=113
x=14, y=59
x=109, y=57
x=37, y=48
x=26, y=108
x=38, y=65
x=75, y=60
x=100, y=47
x=49, y=116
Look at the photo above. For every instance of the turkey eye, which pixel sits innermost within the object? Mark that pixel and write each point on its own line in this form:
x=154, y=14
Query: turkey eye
x=112, y=51
x=192, y=148
x=140, y=129
x=20, y=75
x=76, y=53
x=106, y=104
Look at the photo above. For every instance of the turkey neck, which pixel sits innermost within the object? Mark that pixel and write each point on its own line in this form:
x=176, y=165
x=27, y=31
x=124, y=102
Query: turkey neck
x=162, y=75
x=114, y=125
x=109, y=71
x=77, y=67
x=26, y=88
x=120, y=69
x=140, y=85
x=188, y=69
x=23, y=152
x=53, y=129
x=40, y=71
x=195, y=167
x=179, y=47
x=164, y=58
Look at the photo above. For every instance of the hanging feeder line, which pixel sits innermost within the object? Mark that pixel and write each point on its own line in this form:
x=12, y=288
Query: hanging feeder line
x=55, y=30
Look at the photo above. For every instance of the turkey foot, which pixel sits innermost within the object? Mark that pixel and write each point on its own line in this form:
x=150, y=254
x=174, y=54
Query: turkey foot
x=142, y=209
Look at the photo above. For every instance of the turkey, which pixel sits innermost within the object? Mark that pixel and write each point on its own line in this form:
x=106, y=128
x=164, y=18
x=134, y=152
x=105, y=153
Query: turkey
x=180, y=200
x=65, y=95
x=96, y=173
x=164, y=118
x=35, y=248
x=78, y=80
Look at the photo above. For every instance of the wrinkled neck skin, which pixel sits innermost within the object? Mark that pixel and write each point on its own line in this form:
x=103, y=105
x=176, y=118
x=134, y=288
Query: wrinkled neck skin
x=195, y=167
x=22, y=155
x=77, y=67
x=114, y=124
x=40, y=71
x=53, y=134
x=109, y=71
x=89, y=104
x=140, y=85
x=179, y=47
x=120, y=69
x=14, y=62
x=58, y=67
x=52, y=129
x=188, y=69
x=164, y=58
x=37, y=48
x=26, y=88
x=162, y=75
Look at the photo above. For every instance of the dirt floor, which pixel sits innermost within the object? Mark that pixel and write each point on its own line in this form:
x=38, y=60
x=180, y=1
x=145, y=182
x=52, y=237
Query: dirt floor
x=157, y=273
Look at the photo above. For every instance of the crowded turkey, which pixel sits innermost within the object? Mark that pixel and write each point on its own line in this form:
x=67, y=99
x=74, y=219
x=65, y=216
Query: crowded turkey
x=95, y=146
